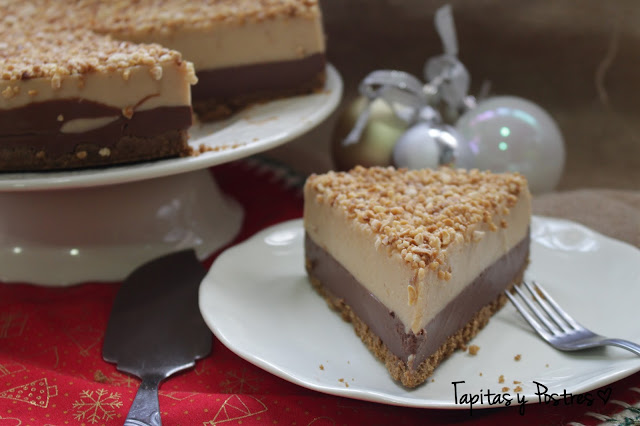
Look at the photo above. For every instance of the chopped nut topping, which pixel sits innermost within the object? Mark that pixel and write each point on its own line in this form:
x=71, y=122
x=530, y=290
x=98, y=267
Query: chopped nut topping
x=60, y=117
x=419, y=213
x=50, y=48
x=156, y=72
x=8, y=92
x=145, y=16
x=413, y=295
x=81, y=155
x=104, y=152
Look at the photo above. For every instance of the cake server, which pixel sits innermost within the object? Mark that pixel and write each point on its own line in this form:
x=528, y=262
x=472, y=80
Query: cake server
x=156, y=329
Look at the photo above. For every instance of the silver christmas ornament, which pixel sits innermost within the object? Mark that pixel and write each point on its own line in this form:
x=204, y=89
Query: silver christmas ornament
x=511, y=134
x=427, y=144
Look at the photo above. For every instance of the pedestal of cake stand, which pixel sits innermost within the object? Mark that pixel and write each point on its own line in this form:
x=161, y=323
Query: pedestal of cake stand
x=63, y=237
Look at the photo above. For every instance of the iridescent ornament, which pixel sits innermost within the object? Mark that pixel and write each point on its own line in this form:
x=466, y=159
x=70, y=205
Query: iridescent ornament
x=507, y=133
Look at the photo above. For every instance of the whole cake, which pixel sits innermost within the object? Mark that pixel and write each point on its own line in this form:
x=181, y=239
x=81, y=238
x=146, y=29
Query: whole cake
x=417, y=260
x=90, y=83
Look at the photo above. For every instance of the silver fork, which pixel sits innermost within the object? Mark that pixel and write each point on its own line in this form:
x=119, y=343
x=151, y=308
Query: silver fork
x=562, y=332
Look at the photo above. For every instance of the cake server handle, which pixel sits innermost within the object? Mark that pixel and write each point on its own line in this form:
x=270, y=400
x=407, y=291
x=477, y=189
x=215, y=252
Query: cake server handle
x=145, y=410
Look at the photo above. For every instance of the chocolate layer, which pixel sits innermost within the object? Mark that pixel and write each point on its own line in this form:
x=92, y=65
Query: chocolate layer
x=231, y=82
x=482, y=291
x=37, y=126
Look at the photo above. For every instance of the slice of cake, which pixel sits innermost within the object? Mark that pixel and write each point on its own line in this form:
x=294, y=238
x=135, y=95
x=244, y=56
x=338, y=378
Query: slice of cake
x=417, y=260
x=244, y=51
x=72, y=98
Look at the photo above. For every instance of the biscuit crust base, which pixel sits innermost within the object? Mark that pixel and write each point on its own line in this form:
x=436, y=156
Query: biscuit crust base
x=127, y=149
x=400, y=370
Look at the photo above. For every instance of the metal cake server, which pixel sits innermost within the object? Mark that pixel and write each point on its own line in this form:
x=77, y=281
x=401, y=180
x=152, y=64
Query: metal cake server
x=156, y=329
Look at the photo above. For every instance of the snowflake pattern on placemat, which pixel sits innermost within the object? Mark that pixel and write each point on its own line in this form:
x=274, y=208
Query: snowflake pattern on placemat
x=94, y=406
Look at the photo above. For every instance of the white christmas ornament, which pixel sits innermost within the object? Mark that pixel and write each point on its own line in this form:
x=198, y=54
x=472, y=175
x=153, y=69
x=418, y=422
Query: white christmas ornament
x=507, y=133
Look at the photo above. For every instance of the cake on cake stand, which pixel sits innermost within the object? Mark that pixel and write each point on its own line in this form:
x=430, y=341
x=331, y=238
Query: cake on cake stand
x=68, y=227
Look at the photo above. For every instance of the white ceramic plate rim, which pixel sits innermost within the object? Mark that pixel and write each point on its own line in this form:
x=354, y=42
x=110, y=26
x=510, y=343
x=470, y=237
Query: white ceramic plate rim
x=230, y=276
x=251, y=131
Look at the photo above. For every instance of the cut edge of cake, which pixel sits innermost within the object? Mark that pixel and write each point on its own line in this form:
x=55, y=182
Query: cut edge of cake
x=94, y=102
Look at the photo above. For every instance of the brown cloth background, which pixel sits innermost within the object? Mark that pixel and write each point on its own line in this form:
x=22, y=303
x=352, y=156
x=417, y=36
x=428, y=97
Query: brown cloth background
x=577, y=59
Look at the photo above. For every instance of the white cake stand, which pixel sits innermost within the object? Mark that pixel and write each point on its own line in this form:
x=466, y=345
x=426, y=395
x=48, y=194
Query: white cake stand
x=63, y=228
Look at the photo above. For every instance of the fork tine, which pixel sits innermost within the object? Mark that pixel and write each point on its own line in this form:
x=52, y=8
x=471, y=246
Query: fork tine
x=552, y=328
x=548, y=309
x=527, y=316
x=557, y=307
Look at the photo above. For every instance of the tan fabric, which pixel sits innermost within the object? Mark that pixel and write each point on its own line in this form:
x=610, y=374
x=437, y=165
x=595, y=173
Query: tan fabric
x=615, y=213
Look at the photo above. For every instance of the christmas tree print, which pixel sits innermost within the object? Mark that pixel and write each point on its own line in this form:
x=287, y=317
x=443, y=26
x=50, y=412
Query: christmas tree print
x=35, y=393
x=236, y=408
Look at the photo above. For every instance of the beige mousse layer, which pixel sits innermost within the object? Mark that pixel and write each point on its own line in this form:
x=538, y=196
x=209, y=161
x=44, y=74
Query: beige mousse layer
x=218, y=33
x=280, y=39
x=137, y=87
x=47, y=65
x=415, y=294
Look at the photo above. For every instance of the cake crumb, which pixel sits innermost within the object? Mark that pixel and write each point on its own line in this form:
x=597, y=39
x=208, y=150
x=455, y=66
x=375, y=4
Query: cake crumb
x=433, y=380
x=517, y=357
x=481, y=373
x=501, y=379
x=505, y=389
x=517, y=389
x=517, y=382
x=547, y=365
x=321, y=367
x=128, y=112
x=473, y=349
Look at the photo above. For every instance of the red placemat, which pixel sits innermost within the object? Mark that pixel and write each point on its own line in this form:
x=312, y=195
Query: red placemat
x=52, y=372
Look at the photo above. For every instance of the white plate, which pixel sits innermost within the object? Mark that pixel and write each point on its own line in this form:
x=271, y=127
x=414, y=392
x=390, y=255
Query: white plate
x=253, y=130
x=258, y=302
